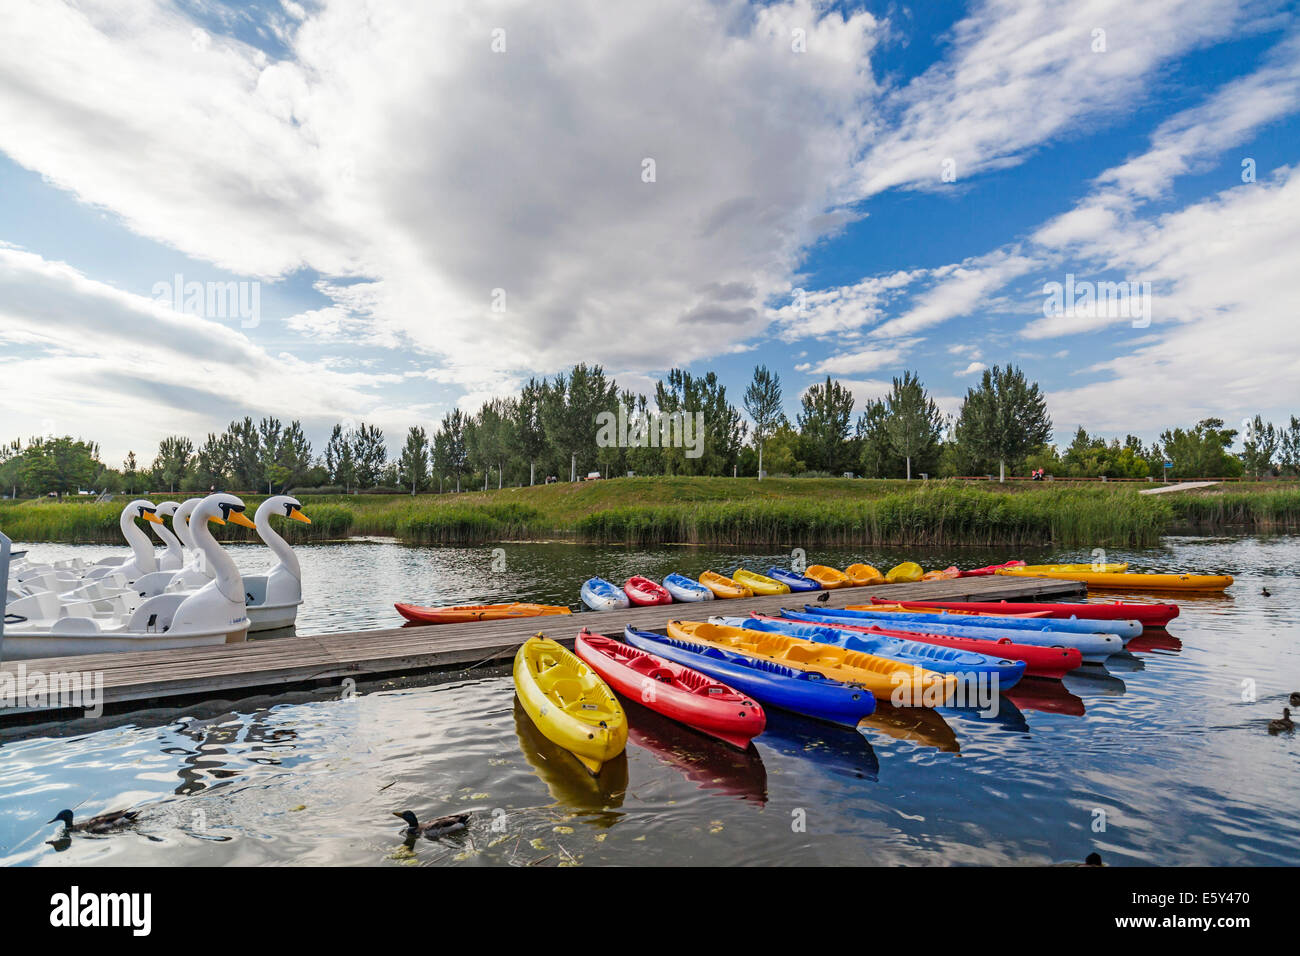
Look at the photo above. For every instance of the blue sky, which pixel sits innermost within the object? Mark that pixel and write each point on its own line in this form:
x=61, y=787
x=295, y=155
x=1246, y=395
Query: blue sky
x=376, y=177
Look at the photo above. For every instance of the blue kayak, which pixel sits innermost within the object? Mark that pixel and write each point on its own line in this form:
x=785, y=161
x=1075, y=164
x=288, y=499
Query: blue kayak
x=795, y=582
x=683, y=588
x=1095, y=648
x=1065, y=625
x=932, y=657
x=601, y=595
x=771, y=684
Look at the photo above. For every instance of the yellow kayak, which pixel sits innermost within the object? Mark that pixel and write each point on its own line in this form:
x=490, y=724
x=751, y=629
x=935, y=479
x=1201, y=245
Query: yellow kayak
x=862, y=575
x=723, y=587
x=879, y=675
x=907, y=572
x=1094, y=568
x=569, y=703
x=1124, y=581
x=827, y=577
x=759, y=583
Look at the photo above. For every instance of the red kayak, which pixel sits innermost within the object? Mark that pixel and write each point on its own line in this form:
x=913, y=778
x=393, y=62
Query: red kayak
x=1040, y=660
x=645, y=592
x=991, y=569
x=1151, y=615
x=675, y=691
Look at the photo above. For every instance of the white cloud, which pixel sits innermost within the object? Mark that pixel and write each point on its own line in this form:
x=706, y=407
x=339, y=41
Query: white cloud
x=960, y=290
x=970, y=369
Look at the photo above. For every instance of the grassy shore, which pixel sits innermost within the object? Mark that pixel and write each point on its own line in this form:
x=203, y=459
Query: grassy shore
x=724, y=511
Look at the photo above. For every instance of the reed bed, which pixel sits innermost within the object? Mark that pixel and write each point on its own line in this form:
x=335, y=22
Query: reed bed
x=813, y=512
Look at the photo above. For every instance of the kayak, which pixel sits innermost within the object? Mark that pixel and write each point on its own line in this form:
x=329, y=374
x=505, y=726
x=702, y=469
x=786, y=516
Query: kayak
x=462, y=613
x=906, y=572
x=828, y=577
x=643, y=592
x=1152, y=615
x=883, y=604
x=1095, y=648
x=759, y=583
x=880, y=675
x=772, y=684
x=1122, y=581
x=1095, y=568
x=984, y=572
x=947, y=574
x=683, y=588
x=795, y=582
x=932, y=657
x=673, y=689
x=601, y=595
x=863, y=575
x=1053, y=662
x=1069, y=625
x=723, y=587
x=569, y=703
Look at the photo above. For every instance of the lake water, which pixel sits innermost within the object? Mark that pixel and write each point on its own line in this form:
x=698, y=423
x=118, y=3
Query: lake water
x=1160, y=758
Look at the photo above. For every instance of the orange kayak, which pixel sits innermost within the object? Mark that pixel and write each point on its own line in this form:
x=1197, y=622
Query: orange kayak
x=864, y=574
x=723, y=586
x=463, y=613
x=827, y=577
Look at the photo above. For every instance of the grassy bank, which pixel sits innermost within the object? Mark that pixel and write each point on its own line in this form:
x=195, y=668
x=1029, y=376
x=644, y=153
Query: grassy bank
x=722, y=511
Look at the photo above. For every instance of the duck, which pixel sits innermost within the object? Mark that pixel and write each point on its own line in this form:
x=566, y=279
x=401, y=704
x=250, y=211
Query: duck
x=104, y=823
x=451, y=823
x=823, y=597
x=1283, y=724
x=1266, y=592
x=1295, y=698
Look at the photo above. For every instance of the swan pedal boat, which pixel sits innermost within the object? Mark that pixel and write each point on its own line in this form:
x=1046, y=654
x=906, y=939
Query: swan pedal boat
x=214, y=614
x=569, y=703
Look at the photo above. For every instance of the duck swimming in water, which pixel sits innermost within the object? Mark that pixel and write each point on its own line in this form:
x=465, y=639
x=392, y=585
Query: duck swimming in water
x=1266, y=592
x=433, y=828
x=1295, y=698
x=1284, y=724
x=104, y=823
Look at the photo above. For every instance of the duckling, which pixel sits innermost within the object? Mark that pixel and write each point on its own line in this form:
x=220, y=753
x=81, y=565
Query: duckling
x=823, y=597
x=434, y=828
x=1295, y=698
x=1284, y=724
x=1266, y=592
x=104, y=823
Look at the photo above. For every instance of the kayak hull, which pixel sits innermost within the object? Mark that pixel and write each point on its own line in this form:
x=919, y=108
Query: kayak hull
x=569, y=703
x=759, y=583
x=1125, y=629
x=795, y=582
x=1095, y=648
x=828, y=577
x=723, y=587
x=601, y=595
x=771, y=684
x=1124, y=581
x=463, y=613
x=643, y=592
x=685, y=590
x=674, y=690
x=864, y=575
x=1151, y=615
x=900, y=646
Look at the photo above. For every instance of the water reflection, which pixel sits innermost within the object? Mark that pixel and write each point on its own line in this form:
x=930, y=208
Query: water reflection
x=251, y=739
x=838, y=751
x=567, y=780
x=1048, y=696
x=708, y=764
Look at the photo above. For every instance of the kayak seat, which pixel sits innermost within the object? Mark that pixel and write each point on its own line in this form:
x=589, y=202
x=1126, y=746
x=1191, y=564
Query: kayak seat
x=661, y=674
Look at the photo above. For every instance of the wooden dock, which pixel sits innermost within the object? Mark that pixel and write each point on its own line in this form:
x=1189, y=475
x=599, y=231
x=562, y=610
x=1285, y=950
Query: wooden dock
x=133, y=681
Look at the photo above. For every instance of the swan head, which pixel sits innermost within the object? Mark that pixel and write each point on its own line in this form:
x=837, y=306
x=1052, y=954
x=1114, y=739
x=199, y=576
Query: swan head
x=221, y=508
x=167, y=508
x=141, y=509
x=286, y=505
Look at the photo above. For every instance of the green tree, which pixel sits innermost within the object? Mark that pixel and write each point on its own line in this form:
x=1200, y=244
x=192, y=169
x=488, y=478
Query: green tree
x=173, y=460
x=529, y=435
x=824, y=425
x=1201, y=451
x=414, y=461
x=369, y=455
x=912, y=422
x=1259, y=447
x=711, y=426
x=763, y=403
x=1289, y=448
x=1005, y=418
x=339, y=461
x=59, y=465
x=569, y=409
x=450, y=455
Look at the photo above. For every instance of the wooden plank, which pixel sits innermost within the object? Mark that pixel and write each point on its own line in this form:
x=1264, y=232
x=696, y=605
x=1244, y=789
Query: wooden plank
x=279, y=663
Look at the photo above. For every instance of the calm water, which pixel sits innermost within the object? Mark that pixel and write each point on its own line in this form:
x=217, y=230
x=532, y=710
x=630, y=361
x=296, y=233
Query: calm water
x=1160, y=742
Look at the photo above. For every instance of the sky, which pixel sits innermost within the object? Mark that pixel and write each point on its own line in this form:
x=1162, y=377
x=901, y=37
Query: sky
x=354, y=210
